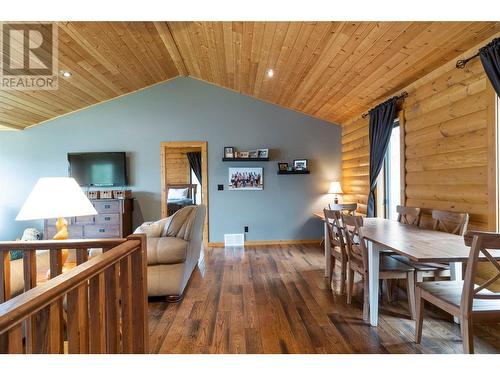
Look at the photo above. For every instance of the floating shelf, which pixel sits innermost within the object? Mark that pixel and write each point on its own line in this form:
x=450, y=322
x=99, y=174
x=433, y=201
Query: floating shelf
x=294, y=172
x=245, y=159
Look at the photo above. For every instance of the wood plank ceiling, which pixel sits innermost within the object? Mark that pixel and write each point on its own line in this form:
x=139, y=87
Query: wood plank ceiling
x=330, y=70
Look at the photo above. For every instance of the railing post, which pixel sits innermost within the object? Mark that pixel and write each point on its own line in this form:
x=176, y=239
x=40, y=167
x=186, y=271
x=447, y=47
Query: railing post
x=140, y=327
x=29, y=269
x=4, y=291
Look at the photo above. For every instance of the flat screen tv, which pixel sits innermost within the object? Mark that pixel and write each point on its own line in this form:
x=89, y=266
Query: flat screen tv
x=98, y=168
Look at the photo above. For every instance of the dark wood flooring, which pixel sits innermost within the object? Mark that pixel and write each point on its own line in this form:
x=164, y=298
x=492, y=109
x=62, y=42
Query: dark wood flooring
x=275, y=300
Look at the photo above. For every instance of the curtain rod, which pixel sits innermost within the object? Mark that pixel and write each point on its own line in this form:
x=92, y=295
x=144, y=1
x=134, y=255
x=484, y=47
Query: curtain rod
x=403, y=95
x=461, y=63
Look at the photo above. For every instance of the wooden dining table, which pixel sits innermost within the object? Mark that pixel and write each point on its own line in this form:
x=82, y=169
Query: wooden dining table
x=417, y=244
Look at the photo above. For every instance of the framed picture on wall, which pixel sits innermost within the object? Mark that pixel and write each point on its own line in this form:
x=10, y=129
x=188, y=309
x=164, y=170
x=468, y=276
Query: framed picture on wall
x=300, y=164
x=246, y=178
x=283, y=166
x=229, y=152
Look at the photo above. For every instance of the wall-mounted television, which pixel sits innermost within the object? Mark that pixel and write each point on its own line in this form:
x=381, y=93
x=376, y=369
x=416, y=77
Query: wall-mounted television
x=98, y=168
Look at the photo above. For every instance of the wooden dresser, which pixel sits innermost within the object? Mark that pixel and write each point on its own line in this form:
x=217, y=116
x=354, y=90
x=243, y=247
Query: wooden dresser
x=113, y=220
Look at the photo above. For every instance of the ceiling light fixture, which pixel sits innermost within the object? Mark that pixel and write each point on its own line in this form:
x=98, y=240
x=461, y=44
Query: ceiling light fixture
x=270, y=73
x=66, y=74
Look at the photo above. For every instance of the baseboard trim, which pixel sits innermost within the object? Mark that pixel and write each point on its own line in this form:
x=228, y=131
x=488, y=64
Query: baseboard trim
x=272, y=242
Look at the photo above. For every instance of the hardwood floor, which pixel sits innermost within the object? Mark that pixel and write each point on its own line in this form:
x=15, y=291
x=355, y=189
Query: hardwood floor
x=275, y=300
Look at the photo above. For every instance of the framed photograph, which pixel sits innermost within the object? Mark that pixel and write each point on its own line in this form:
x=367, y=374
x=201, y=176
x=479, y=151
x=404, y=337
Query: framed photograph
x=229, y=152
x=246, y=178
x=300, y=164
x=253, y=154
x=263, y=152
x=283, y=166
x=243, y=154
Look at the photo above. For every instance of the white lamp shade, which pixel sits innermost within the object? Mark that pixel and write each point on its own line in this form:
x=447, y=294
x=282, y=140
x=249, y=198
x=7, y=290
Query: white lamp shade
x=54, y=197
x=335, y=188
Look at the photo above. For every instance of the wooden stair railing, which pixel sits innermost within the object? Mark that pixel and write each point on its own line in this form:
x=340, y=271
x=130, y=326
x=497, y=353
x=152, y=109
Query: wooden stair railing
x=99, y=306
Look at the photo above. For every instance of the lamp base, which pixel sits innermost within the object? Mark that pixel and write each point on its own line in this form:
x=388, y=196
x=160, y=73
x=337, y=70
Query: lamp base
x=62, y=234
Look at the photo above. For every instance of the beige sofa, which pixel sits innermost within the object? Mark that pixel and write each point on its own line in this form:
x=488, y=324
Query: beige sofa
x=174, y=246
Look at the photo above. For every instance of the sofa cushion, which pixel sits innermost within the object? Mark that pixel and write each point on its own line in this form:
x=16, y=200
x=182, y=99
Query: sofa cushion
x=181, y=223
x=166, y=250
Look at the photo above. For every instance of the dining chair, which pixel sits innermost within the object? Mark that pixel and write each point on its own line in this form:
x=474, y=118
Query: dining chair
x=409, y=215
x=337, y=246
x=471, y=302
x=450, y=222
x=357, y=255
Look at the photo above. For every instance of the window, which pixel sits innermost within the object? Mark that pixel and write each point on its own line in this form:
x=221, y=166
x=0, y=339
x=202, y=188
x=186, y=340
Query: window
x=194, y=181
x=388, y=192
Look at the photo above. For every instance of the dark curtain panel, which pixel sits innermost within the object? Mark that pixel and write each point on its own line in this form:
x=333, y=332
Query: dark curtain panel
x=381, y=123
x=195, y=163
x=490, y=58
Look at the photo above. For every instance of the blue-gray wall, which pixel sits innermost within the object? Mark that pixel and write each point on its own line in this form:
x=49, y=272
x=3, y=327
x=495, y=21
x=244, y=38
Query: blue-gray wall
x=185, y=110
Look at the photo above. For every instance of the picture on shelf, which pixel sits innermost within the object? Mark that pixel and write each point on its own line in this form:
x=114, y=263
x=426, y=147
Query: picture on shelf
x=282, y=166
x=246, y=178
x=229, y=152
x=253, y=154
x=263, y=153
x=243, y=154
x=300, y=164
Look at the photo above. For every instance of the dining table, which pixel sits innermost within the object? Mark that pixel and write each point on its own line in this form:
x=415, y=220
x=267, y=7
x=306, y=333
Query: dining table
x=417, y=244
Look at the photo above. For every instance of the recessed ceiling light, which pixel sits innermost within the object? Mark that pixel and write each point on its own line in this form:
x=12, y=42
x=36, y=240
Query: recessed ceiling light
x=66, y=74
x=270, y=73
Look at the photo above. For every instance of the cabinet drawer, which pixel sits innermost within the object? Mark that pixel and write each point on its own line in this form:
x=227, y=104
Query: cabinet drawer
x=84, y=219
x=108, y=219
x=107, y=207
x=100, y=231
x=74, y=231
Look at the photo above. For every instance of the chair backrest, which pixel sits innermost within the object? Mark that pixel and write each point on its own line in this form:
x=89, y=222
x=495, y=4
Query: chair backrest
x=349, y=208
x=480, y=243
x=450, y=222
x=335, y=233
x=409, y=215
x=356, y=247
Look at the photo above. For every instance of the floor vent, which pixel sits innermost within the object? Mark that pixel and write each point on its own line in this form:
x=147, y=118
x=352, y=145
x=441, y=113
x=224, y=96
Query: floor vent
x=234, y=239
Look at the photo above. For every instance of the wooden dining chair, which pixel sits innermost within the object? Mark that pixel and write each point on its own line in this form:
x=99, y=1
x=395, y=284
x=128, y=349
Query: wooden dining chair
x=357, y=254
x=337, y=246
x=409, y=215
x=450, y=222
x=471, y=302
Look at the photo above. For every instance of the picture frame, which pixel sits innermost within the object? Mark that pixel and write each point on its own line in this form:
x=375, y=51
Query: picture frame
x=300, y=164
x=245, y=178
x=263, y=153
x=229, y=152
x=253, y=154
x=243, y=154
x=282, y=166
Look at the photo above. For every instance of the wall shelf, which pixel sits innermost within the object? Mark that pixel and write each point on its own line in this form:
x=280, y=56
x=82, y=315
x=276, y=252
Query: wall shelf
x=294, y=172
x=245, y=159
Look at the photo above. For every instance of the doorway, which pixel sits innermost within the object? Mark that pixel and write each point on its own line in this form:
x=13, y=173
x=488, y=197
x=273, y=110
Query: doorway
x=182, y=165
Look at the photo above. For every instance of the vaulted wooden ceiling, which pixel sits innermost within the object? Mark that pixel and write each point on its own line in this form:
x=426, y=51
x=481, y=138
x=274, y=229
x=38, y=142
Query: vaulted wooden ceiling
x=330, y=70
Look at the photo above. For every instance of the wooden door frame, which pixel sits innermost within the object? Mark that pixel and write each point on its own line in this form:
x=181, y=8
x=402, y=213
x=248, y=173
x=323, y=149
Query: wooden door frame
x=203, y=145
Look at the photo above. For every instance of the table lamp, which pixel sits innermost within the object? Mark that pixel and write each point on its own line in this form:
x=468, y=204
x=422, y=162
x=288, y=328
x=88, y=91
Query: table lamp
x=335, y=189
x=56, y=197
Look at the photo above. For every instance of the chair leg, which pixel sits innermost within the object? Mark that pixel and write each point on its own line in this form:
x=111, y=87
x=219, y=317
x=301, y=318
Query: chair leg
x=467, y=335
x=410, y=291
x=350, y=285
x=343, y=276
x=419, y=318
x=332, y=270
x=366, y=298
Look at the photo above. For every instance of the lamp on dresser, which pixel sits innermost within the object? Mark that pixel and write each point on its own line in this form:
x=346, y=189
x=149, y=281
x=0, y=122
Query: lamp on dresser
x=336, y=189
x=56, y=198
